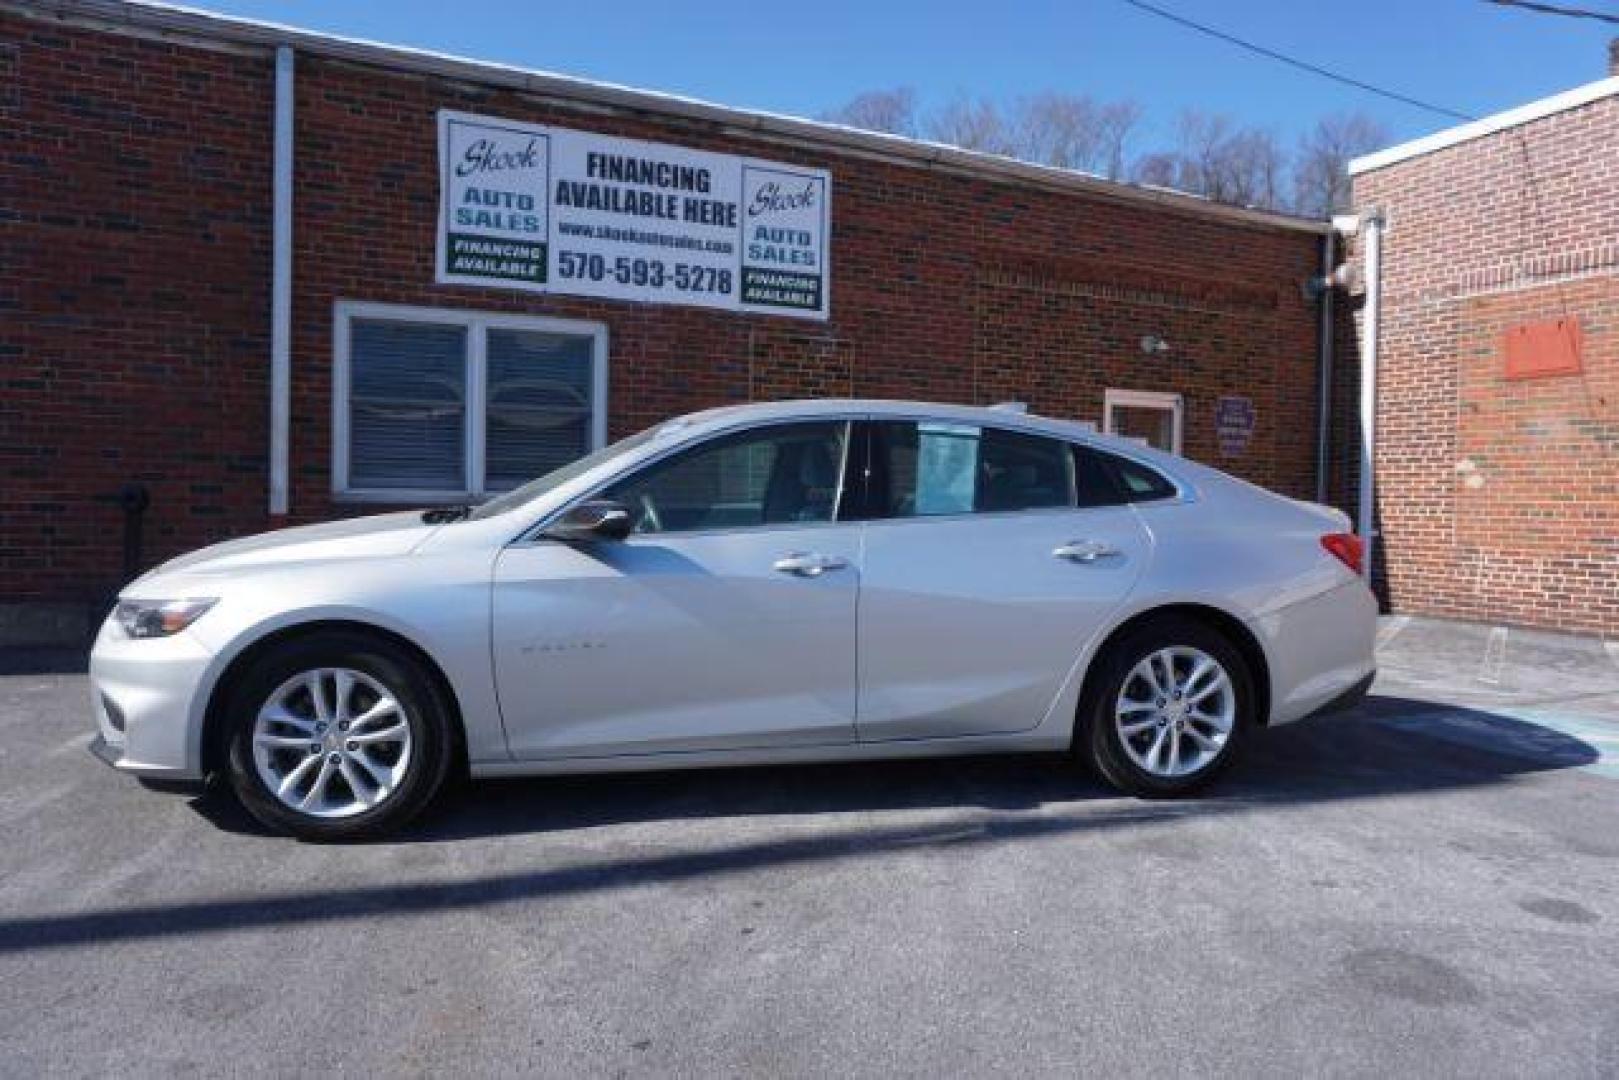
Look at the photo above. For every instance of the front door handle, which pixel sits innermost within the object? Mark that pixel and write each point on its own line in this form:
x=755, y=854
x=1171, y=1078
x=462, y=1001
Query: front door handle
x=809, y=564
x=1084, y=551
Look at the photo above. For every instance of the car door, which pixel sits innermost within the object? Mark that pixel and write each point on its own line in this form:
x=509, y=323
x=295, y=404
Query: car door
x=724, y=621
x=991, y=556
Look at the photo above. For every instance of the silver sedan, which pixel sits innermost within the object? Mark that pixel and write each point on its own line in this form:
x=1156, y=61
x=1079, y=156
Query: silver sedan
x=787, y=582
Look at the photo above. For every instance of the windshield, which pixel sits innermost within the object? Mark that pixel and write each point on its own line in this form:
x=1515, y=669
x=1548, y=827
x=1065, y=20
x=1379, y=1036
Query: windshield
x=556, y=478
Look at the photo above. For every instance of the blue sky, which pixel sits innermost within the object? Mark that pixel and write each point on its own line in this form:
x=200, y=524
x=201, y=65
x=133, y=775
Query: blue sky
x=804, y=56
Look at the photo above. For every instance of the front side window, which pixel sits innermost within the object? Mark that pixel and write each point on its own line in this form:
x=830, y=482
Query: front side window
x=932, y=468
x=460, y=404
x=779, y=475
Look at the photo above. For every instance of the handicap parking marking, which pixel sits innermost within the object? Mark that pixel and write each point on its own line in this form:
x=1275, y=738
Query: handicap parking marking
x=1495, y=656
x=1395, y=623
x=1555, y=737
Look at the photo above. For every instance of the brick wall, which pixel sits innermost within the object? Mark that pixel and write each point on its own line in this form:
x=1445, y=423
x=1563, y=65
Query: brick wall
x=141, y=348
x=135, y=309
x=1499, y=498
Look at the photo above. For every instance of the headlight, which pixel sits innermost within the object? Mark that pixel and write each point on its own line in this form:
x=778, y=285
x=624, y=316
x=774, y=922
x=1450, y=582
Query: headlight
x=159, y=618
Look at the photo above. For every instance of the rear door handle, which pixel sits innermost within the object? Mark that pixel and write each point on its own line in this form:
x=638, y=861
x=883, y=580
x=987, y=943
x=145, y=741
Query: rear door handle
x=1084, y=551
x=809, y=564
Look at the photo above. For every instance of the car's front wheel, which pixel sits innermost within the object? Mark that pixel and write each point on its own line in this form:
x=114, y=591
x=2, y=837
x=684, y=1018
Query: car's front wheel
x=337, y=736
x=1172, y=707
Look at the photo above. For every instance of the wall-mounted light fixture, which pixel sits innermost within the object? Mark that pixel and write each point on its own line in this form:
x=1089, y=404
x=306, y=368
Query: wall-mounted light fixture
x=1153, y=345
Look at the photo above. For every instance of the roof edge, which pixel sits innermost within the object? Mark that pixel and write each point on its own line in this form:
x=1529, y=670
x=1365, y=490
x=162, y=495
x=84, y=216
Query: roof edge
x=162, y=19
x=1489, y=125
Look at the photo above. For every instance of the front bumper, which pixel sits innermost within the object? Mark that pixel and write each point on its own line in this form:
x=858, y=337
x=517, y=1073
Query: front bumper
x=149, y=697
x=104, y=752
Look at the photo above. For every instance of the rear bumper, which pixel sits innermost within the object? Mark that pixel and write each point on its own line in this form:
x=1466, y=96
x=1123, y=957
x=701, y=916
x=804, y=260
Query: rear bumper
x=1322, y=651
x=1346, y=700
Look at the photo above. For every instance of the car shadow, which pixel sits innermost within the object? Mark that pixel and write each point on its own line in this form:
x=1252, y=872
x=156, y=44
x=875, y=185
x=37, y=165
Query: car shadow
x=1387, y=745
x=43, y=660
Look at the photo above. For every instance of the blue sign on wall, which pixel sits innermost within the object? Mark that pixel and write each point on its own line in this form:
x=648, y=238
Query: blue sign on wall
x=1234, y=424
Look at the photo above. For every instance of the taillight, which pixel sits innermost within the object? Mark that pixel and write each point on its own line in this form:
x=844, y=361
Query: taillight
x=1346, y=548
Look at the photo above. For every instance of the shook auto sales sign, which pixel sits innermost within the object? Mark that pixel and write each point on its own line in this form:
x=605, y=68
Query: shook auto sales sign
x=554, y=210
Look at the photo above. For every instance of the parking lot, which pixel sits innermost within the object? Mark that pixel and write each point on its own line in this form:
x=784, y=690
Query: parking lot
x=1427, y=885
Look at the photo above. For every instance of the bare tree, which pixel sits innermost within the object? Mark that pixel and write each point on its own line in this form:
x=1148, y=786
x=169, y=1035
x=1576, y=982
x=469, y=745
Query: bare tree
x=1117, y=121
x=1220, y=161
x=1200, y=147
x=1065, y=130
x=1056, y=129
x=890, y=111
x=1211, y=155
x=1321, y=165
x=1073, y=132
x=972, y=125
x=1159, y=169
x=1256, y=169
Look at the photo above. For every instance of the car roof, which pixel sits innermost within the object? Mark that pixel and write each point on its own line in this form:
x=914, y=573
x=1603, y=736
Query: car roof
x=1187, y=475
x=756, y=412
x=726, y=416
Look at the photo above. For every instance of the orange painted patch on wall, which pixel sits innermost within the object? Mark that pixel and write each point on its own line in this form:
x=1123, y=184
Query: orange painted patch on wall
x=1540, y=349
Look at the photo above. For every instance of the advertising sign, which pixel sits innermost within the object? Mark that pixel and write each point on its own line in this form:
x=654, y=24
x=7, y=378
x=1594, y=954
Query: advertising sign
x=550, y=209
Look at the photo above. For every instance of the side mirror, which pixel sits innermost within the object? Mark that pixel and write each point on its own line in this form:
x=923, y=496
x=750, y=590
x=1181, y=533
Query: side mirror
x=598, y=519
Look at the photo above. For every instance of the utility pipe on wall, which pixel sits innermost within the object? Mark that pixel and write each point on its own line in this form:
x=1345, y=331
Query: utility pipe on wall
x=1372, y=223
x=281, y=284
x=1323, y=434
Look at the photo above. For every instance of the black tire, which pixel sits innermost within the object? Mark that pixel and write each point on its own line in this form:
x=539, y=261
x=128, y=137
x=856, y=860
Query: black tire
x=1097, y=738
x=427, y=715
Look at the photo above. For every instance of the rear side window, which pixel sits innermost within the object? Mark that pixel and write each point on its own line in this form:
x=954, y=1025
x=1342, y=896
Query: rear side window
x=1105, y=479
x=1141, y=484
x=930, y=468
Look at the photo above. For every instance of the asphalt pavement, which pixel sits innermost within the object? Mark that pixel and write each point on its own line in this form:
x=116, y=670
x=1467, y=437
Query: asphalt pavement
x=1426, y=886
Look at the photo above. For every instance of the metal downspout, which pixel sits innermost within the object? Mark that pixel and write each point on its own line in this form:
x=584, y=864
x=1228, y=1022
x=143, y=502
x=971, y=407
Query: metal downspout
x=281, y=284
x=1372, y=222
x=1323, y=435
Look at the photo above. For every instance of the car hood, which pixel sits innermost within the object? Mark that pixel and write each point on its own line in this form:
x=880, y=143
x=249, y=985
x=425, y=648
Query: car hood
x=379, y=535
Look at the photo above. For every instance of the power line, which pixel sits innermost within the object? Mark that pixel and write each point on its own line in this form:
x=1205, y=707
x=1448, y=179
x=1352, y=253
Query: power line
x=1557, y=9
x=1302, y=65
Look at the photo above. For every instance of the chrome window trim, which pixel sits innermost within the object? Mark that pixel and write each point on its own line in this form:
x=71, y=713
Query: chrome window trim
x=1184, y=494
x=994, y=515
x=531, y=535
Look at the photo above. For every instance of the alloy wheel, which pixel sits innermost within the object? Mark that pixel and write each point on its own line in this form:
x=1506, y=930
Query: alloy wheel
x=1175, y=711
x=331, y=743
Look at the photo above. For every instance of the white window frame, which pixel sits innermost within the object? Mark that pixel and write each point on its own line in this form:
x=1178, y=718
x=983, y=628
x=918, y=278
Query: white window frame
x=477, y=324
x=1145, y=399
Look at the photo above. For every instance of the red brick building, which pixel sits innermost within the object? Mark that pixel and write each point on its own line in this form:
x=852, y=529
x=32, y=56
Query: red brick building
x=1497, y=446
x=140, y=336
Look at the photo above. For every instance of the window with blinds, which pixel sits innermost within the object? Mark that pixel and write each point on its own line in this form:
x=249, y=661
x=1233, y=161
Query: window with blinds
x=446, y=403
x=539, y=404
x=407, y=405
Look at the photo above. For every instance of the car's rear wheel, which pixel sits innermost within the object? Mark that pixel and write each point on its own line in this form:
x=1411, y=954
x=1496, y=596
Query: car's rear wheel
x=1171, y=708
x=337, y=736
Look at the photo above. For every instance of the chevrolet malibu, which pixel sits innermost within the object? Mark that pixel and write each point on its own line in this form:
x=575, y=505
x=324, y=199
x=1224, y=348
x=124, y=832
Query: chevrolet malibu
x=774, y=583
